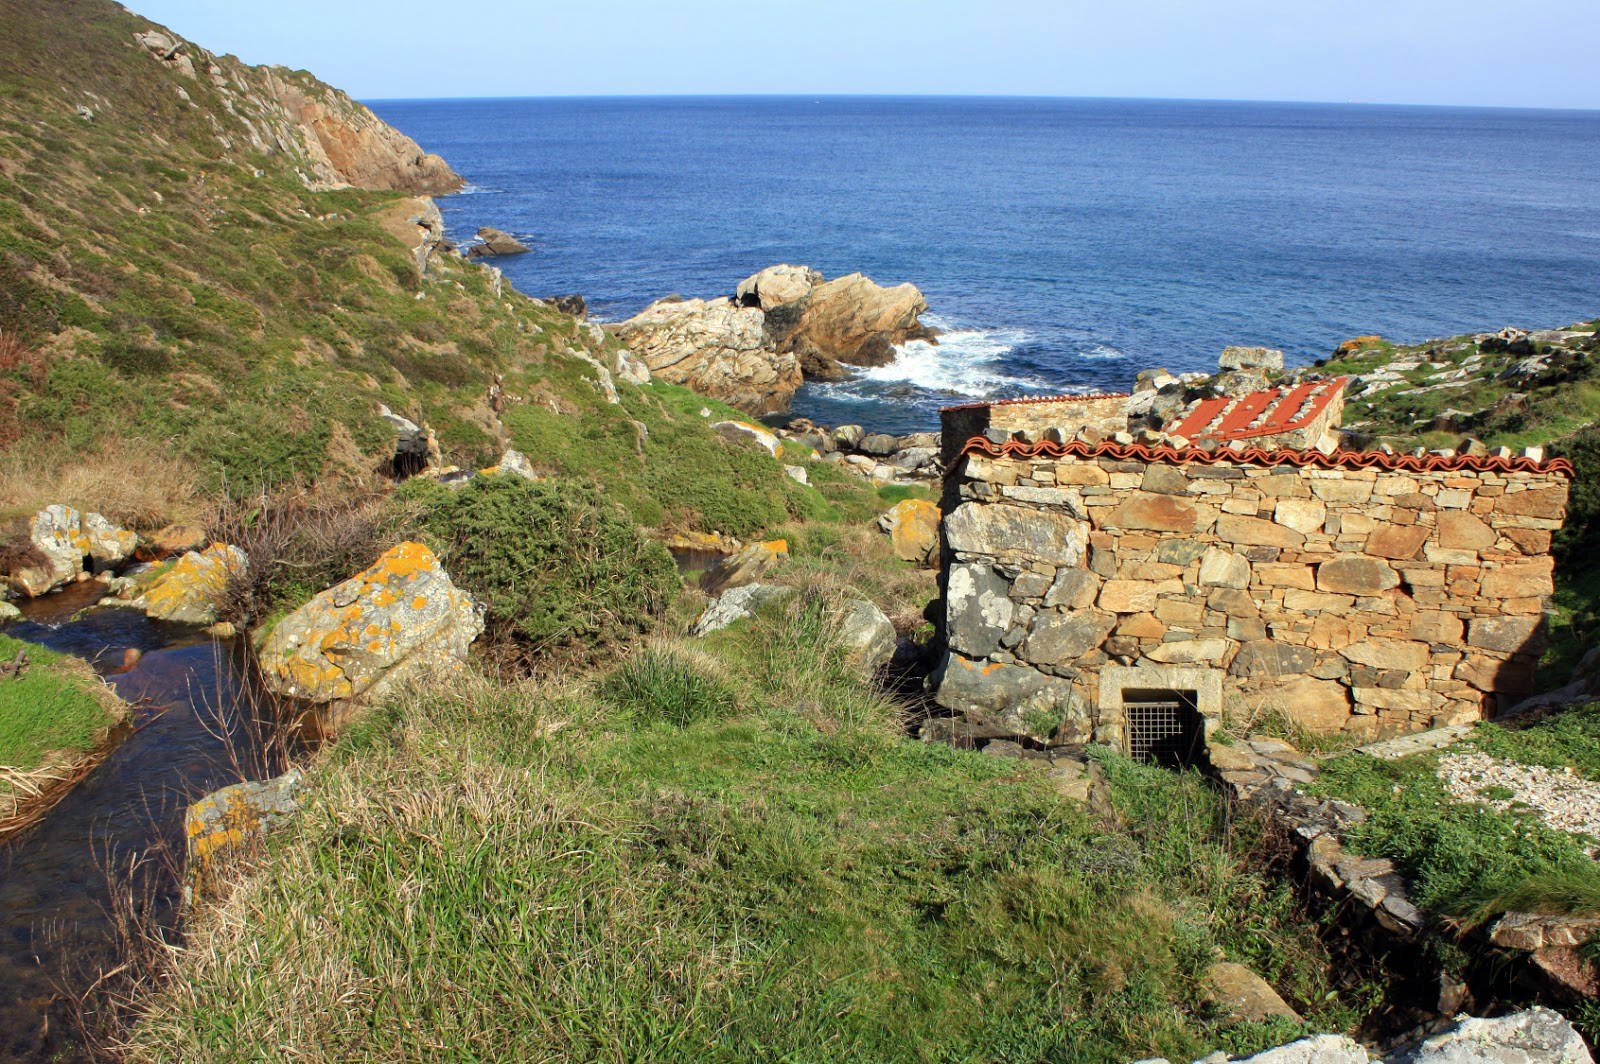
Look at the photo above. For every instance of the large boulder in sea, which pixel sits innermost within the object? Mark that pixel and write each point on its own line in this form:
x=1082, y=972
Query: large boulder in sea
x=398, y=619
x=494, y=242
x=60, y=539
x=715, y=348
x=852, y=320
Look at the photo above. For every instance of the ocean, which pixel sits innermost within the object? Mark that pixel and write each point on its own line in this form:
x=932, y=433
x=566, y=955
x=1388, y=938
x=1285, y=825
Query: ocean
x=1062, y=244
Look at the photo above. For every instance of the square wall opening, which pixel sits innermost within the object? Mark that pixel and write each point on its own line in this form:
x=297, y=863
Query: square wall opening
x=1163, y=725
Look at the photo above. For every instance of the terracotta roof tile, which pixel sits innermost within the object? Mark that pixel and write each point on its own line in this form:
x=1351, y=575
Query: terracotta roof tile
x=1431, y=463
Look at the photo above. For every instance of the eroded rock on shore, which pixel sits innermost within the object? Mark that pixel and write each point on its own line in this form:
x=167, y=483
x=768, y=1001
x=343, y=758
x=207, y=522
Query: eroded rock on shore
x=784, y=324
x=496, y=242
x=715, y=348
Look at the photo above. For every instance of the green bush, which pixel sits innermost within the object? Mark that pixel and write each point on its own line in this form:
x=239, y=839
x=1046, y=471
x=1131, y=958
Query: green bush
x=557, y=567
x=660, y=686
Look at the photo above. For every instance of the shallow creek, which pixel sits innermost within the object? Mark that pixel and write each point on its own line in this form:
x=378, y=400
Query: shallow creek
x=55, y=931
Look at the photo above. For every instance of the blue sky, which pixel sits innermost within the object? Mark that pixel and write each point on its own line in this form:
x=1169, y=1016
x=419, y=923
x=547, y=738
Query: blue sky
x=1516, y=53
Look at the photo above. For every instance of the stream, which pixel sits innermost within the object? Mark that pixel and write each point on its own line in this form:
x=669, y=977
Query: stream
x=56, y=932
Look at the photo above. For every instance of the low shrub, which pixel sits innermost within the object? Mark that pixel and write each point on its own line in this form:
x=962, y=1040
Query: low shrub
x=297, y=547
x=558, y=568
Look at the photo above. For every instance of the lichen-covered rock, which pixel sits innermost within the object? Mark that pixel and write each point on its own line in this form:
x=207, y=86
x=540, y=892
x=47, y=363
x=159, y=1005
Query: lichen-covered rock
x=230, y=819
x=63, y=538
x=398, y=619
x=868, y=636
x=1532, y=1036
x=744, y=432
x=913, y=528
x=176, y=539
x=194, y=589
x=1243, y=995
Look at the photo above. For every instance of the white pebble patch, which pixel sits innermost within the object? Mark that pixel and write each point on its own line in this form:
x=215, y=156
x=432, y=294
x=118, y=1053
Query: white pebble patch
x=1559, y=797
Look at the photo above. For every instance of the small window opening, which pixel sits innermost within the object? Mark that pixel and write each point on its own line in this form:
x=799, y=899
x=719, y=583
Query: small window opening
x=1164, y=727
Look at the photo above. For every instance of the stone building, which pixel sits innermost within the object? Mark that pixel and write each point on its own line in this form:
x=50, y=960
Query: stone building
x=1102, y=587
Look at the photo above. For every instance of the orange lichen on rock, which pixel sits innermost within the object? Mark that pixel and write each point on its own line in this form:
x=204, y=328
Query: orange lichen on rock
x=357, y=639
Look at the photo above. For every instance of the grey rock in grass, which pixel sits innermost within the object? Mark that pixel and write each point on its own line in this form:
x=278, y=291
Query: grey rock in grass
x=1532, y=1036
x=736, y=605
x=868, y=636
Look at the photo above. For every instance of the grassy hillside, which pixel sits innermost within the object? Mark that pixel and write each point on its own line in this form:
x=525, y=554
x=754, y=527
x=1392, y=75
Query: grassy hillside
x=166, y=288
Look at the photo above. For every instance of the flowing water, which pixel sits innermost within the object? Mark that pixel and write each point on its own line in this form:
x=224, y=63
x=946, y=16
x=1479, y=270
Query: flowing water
x=55, y=932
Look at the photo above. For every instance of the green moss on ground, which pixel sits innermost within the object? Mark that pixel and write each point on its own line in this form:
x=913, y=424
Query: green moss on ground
x=56, y=710
x=1463, y=859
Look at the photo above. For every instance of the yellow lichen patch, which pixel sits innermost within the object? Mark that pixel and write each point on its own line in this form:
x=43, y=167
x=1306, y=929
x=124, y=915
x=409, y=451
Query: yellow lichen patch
x=778, y=548
x=420, y=602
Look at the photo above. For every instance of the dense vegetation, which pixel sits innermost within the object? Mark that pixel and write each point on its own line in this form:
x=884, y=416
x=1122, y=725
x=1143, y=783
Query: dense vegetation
x=727, y=851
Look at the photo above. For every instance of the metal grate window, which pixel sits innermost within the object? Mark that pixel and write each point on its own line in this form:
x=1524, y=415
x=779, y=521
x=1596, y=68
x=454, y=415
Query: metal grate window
x=1162, y=726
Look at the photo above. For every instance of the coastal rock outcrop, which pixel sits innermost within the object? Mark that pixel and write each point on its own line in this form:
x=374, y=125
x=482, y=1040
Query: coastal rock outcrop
x=855, y=321
x=397, y=619
x=777, y=285
x=715, y=348
x=783, y=324
x=334, y=140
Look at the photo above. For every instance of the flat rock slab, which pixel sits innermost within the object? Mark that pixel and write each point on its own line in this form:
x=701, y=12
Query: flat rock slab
x=1419, y=743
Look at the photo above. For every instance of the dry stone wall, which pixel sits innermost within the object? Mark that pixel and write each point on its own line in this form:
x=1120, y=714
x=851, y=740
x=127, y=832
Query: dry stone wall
x=1372, y=601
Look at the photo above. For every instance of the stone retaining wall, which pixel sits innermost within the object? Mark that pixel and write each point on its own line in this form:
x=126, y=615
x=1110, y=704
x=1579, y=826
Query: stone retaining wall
x=1366, y=600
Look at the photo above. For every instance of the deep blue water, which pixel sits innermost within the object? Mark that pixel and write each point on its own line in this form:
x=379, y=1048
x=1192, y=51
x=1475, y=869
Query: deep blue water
x=1066, y=244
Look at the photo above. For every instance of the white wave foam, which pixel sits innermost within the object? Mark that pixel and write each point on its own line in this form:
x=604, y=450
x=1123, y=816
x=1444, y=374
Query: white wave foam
x=964, y=362
x=469, y=189
x=1101, y=351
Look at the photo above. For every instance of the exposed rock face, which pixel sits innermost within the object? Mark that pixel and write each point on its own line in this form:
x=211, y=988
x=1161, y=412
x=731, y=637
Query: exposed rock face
x=852, y=320
x=1533, y=1036
x=777, y=285
x=63, y=538
x=396, y=620
x=496, y=242
x=913, y=528
x=744, y=432
x=736, y=605
x=782, y=324
x=715, y=348
x=194, y=589
x=335, y=140
x=868, y=636
x=1244, y=995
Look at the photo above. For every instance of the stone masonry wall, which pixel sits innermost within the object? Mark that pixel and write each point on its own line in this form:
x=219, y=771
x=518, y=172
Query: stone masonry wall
x=1364, y=600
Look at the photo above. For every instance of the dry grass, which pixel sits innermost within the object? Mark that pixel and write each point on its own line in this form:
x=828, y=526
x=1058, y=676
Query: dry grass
x=136, y=484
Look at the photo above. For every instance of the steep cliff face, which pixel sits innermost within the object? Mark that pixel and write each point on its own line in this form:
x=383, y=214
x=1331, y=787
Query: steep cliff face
x=336, y=140
x=97, y=61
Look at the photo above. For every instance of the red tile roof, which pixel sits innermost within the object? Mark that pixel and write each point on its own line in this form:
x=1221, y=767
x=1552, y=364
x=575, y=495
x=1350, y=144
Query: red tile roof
x=1430, y=463
x=1259, y=414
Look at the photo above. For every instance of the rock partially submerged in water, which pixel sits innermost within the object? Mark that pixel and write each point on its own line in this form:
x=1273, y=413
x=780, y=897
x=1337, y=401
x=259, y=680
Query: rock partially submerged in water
x=495, y=242
x=395, y=621
x=784, y=324
x=195, y=589
x=61, y=539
